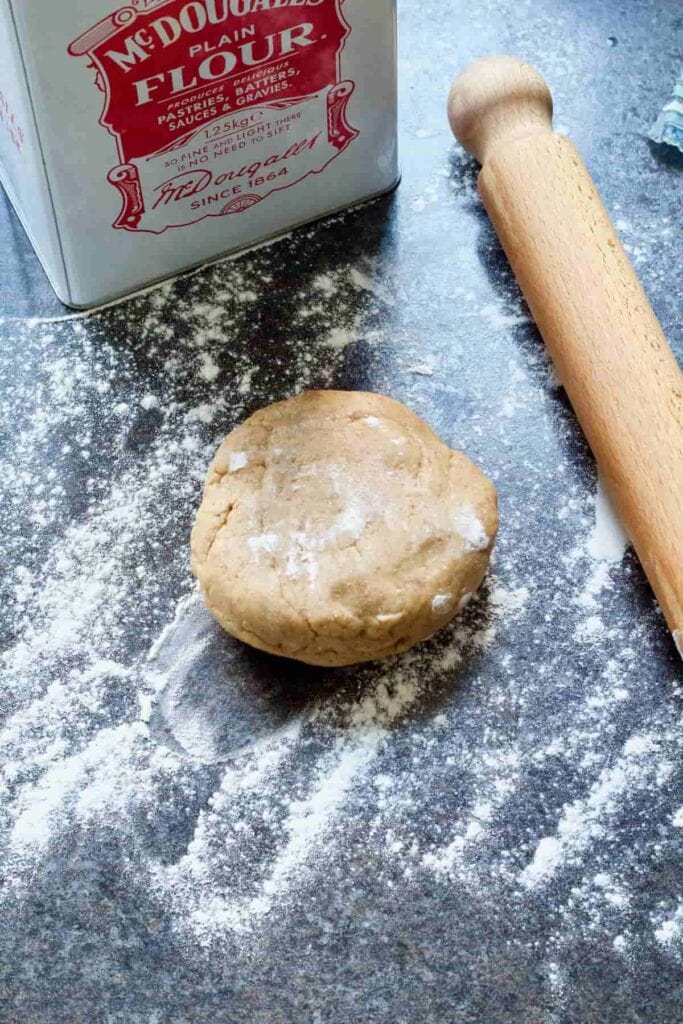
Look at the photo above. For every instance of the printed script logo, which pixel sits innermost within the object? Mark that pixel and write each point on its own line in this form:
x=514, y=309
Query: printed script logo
x=216, y=104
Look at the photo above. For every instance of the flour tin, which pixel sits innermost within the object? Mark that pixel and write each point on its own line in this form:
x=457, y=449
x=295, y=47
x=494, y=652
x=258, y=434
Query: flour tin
x=138, y=140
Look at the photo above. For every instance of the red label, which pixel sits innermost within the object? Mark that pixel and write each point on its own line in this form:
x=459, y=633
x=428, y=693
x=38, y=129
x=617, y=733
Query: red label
x=215, y=104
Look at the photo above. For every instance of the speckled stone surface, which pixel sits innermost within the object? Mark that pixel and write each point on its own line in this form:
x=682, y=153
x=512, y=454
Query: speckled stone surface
x=488, y=831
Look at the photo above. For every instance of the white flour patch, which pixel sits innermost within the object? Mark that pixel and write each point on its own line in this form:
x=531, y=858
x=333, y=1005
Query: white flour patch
x=604, y=549
x=325, y=283
x=269, y=542
x=519, y=394
x=427, y=197
x=509, y=603
x=422, y=369
x=591, y=629
x=470, y=529
x=244, y=383
x=587, y=819
x=237, y=461
x=208, y=367
x=303, y=829
x=670, y=930
x=598, y=581
x=608, y=540
x=339, y=338
x=499, y=320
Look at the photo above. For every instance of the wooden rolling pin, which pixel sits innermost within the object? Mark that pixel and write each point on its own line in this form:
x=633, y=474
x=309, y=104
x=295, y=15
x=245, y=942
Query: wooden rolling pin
x=610, y=352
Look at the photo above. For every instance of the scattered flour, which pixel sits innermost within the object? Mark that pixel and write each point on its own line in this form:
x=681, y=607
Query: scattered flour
x=670, y=930
x=244, y=383
x=325, y=283
x=339, y=338
x=605, y=547
x=208, y=367
x=421, y=369
x=608, y=540
x=585, y=820
x=498, y=320
x=590, y=629
x=127, y=707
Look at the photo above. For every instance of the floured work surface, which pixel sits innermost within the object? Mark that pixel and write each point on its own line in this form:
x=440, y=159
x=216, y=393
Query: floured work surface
x=488, y=828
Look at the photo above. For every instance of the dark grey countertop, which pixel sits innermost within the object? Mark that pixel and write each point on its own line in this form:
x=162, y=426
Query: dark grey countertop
x=487, y=830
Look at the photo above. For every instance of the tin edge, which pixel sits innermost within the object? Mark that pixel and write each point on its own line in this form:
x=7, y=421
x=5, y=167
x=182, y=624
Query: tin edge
x=43, y=162
x=228, y=254
x=17, y=211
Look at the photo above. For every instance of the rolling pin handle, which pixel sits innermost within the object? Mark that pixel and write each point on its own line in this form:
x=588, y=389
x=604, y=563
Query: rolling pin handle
x=496, y=100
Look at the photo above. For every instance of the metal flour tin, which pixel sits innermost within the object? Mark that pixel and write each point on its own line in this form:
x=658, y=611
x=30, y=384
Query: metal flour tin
x=136, y=141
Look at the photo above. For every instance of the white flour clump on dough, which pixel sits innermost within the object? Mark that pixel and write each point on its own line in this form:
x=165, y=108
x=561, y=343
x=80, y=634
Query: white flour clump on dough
x=470, y=529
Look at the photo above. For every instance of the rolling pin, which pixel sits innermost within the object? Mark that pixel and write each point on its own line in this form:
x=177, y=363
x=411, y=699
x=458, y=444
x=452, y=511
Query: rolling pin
x=610, y=353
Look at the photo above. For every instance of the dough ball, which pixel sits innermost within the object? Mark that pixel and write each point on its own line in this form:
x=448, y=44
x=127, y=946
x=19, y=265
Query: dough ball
x=337, y=528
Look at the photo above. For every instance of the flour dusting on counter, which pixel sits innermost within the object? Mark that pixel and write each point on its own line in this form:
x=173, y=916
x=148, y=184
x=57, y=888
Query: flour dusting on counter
x=507, y=759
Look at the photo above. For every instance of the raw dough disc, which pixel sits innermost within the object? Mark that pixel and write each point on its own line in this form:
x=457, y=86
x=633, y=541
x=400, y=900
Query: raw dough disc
x=337, y=528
